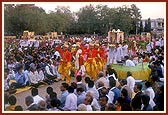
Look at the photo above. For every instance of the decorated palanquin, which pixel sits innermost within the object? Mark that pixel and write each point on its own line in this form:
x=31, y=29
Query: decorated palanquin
x=115, y=36
x=139, y=72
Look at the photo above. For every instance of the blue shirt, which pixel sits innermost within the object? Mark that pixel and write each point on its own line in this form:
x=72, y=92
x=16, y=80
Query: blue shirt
x=20, y=78
x=80, y=98
x=62, y=98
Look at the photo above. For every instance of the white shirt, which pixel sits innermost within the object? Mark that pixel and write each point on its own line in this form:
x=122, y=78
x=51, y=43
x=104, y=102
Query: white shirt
x=150, y=92
x=57, y=53
x=89, y=108
x=87, y=88
x=125, y=50
x=48, y=70
x=94, y=92
x=129, y=63
x=162, y=69
x=95, y=104
x=41, y=75
x=131, y=83
x=37, y=99
x=109, y=99
x=158, y=43
x=82, y=70
x=6, y=84
x=111, y=94
x=71, y=102
x=33, y=77
x=54, y=69
x=161, y=42
x=104, y=80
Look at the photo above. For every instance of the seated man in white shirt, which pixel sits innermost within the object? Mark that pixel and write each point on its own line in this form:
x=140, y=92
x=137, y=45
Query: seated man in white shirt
x=129, y=62
x=71, y=100
x=33, y=75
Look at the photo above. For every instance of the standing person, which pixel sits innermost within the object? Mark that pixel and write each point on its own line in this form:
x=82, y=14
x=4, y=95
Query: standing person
x=77, y=56
x=160, y=98
x=150, y=92
x=71, y=100
x=123, y=84
x=124, y=95
x=145, y=103
x=110, y=55
x=111, y=73
x=93, y=89
x=90, y=63
x=136, y=101
x=130, y=81
x=65, y=65
x=79, y=63
x=114, y=92
x=134, y=48
x=98, y=58
x=101, y=78
x=118, y=54
x=79, y=82
x=80, y=95
x=125, y=49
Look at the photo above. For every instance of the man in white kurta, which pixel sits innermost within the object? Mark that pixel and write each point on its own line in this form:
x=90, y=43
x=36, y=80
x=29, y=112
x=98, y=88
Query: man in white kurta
x=125, y=49
x=150, y=92
x=110, y=55
x=130, y=81
x=118, y=54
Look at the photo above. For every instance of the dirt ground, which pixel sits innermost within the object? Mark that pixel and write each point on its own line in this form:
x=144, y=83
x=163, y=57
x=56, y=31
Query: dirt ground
x=42, y=92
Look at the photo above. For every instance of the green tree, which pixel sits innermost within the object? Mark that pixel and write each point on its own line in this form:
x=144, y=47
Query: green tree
x=146, y=26
x=149, y=25
x=136, y=17
x=141, y=27
x=87, y=19
x=102, y=12
x=24, y=17
x=122, y=19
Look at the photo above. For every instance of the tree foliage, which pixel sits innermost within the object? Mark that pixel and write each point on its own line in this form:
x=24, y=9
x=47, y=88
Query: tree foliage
x=89, y=19
x=147, y=27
